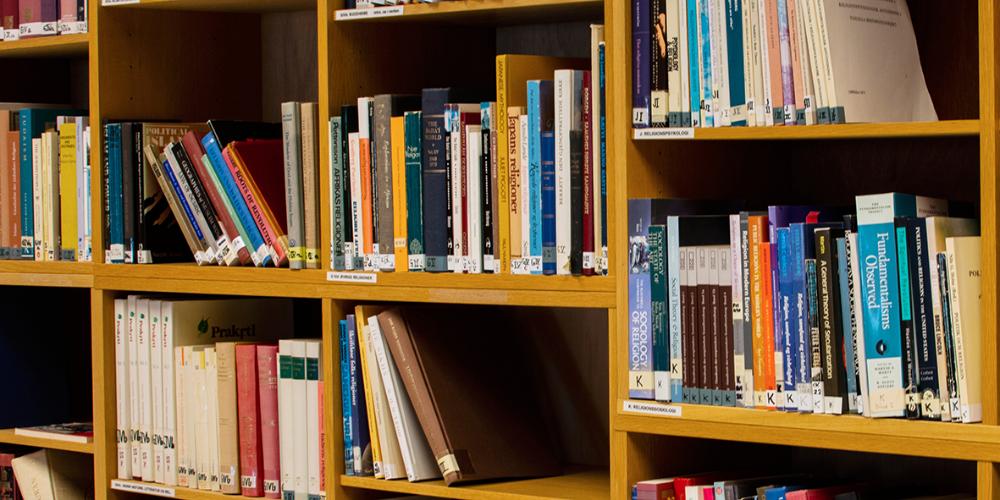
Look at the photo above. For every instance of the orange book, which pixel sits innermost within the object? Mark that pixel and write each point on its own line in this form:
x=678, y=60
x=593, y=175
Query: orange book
x=767, y=310
x=774, y=57
x=367, y=226
x=756, y=229
x=398, y=141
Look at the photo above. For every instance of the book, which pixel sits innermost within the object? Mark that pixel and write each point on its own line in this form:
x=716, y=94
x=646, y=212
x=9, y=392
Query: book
x=291, y=130
x=46, y=474
x=72, y=433
x=965, y=288
x=267, y=383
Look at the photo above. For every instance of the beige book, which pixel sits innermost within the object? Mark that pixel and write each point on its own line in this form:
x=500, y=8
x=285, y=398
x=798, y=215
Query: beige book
x=514, y=177
x=393, y=466
x=965, y=290
x=36, y=198
x=228, y=422
x=212, y=409
x=54, y=475
x=202, y=416
x=310, y=183
x=50, y=195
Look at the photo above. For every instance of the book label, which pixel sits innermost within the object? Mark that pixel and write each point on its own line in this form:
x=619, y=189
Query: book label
x=647, y=408
x=106, y=3
x=535, y=264
x=39, y=29
x=489, y=263
x=351, y=14
x=663, y=133
x=271, y=486
x=148, y=489
x=248, y=481
x=11, y=35
x=387, y=262
x=416, y=262
x=366, y=278
x=70, y=28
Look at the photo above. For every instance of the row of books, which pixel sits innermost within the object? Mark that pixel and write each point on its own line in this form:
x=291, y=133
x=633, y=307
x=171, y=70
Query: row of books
x=240, y=193
x=32, y=18
x=807, y=309
x=46, y=474
x=206, y=400
x=45, y=191
x=719, y=63
x=366, y=4
x=444, y=182
x=735, y=486
x=418, y=391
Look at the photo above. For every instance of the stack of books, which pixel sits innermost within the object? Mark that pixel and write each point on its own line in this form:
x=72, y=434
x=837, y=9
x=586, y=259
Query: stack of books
x=448, y=182
x=719, y=63
x=34, y=18
x=44, y=183
x=808, y=309
x=240, y=193
x=207, y=400
x=721, y=485
x=417, y=391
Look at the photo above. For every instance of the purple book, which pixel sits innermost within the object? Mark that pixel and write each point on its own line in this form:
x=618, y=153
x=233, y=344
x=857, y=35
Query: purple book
x=641, y=53
x=640, y=335
x=787, y=78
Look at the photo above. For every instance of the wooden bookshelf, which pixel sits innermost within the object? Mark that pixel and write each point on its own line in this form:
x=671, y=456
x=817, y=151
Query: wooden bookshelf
x=220, y=5
x=7, y=436
x=581, y=483
x=47, y=274
x=946, y=128
x=477, y=11
x=159, y=490
x=46, y=46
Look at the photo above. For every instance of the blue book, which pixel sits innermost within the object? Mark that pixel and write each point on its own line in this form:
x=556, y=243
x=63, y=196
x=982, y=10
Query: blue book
x=184, y=201
x=784, y=307
x=114, y=193
x=360, y=437
x=345, y=397
x=694, y=75
x=218, y=164
x=928, y=384
x=540, y=105
x=737, y=82
x=31, y=124
x=548, y=144
x=640, y=343
x=705, y=43
x=880, y=293
x=604, y=162
x=641, y=63
x=845, y=325
x=435, y=183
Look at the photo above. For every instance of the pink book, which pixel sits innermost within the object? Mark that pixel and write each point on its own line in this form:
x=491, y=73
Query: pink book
x=67, y=11
x=774, y=56
x=267, y=381
x=248, y=412
x=828, y=493
x=707, y=493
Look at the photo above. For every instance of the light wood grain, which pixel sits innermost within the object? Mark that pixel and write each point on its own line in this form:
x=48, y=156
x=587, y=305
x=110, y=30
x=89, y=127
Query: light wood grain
x=223, y=5
x=948, y=128
x=46, y=274
x=46, y=46
x=179, y=492
x=7, y=436
x=493, y=11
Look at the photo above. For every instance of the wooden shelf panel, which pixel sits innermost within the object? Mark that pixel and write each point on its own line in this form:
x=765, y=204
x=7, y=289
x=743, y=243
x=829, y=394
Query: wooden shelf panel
x=560, y=291
x=840, y=432
x=160, y=490
x=46, y=46
x=580, y=483
x=7, y=436
x=948, y=128
x=223, y=5
x=497, y=12
x=48, y=274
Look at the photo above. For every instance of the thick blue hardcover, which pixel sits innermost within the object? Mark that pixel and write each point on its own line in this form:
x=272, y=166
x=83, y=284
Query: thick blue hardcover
x=640, y=344
x=435, y=193
x=548, y=144
x=345, y=397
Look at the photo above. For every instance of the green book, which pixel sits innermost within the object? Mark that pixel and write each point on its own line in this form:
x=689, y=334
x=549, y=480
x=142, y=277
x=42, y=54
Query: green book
x=658, y=296
x=338, y=218
x=412, y=132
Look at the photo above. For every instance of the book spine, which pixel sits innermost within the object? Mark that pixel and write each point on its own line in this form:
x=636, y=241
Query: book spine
x=116, y=245
x=906, y=326
x=364, y=238
x=228, y=419
x=736, y=304
x=716, y=329
x=965, y=289
x=457, y=183
x=847, y=335
x=474, y=196
x=641, y=78
x=704, y=336
x=817, y=394
x=832, y=362
x=27, y=207
x=857, y=325
x=313, y=419
x=720, y=57
x=574, y=252
x=263, y=217
x=656, y=243
x=227, y=221
x=123, y=407
x=382, y=180
x=787, y=318
x=267, y=384
x=203, y=252
x=200, y=197
x=549, y=218
x=232, y=222
x=400, y=197
x=760, y=355
x=144, y=381
x=285, y=419
x=675, y=79
x=487, y=189
x=735, y=62
x=345, y=398
x=338, y=216
x=354, y=253
x=130, y=188
x=68, y=178
x=694, y=58
x=180, y=440
x=515, y=179
x=231, y=191
x=603, y=261
x=359, y=410
x=535, y=105
x=588, y=263
x=414, y=191
x=310, y=182
x=687, y=325
x=640, y=302
x=156, y=385
x=497, y=190
x=526, y=198
x=801, y=337
x=161, y=315
x=248, y=410
x=197, y=217
x=659, y=45
x=786, y=63
x=291, y=129
x=705, y=44
x=133, y=386
x=434, y=184
x=674, y=310
x=505, y=133
x=954, y=402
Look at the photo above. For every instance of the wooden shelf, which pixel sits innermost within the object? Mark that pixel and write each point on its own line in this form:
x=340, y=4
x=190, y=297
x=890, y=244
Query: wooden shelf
x=49, y=274
x=223, y=5
x=948, y=128
x=562, y=291
x=579, y=483
x=160, y=490
x=7, y=436
x=46, y=46
x=479, y=11
x=841, y=432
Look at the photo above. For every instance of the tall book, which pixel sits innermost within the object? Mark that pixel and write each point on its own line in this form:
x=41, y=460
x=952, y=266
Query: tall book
x=309, y=139
x=291, y=131
x=387, y=106
x=267, y=384
x=965, y=281
x=248, y=408
x=413, y=145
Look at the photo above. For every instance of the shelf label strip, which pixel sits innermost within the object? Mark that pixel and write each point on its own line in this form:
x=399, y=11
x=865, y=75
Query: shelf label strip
x=106, y=3
x=367, y=13
x=650, y=408
x=362, y=278
x=663, y=133
x=148, y=489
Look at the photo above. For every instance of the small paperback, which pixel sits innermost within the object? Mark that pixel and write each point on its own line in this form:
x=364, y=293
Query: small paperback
x=75, y=433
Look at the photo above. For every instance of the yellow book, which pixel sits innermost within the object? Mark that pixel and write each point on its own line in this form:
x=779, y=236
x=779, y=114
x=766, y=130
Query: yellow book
x=361, y=314
x=512, y=75
x=398, y=140
x=67, y=190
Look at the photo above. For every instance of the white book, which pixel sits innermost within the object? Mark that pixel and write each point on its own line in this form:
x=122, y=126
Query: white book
x=736, y=305
x=456, y=261
x=145, y=389
x=212, y=395
x=286, y=412
x=525, y=198
x=596, y=37
x=160, y=313
x=192, y=423
x=355, y=249
x=314, y=423
x=202, y=438
x=53, y=475
x=82, y=208
x=418, y=459
x=720, y=64
x=133, y=367
x=748, y=83
x=805, y=62
x=965, y=289
x=675, y=92
x=156, y=386
x=299, y=422
x=474, y=198
x=854, y=270
x=392, y=465
x=38, y=212
x=123, y=408
x=815, y=56
x=182, y=388
x=364, y=140
x=765, y=63
x=567, y=90
x=684, y=66
x=50, y=195
x=217, y=247
x=756, y=61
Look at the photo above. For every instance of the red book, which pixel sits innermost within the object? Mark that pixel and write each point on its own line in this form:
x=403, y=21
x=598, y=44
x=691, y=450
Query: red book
x=681, y=483
x=248, y=412
x=588, y=177
x=267, y=382
x=10, y=14
x=195, y=152
x=655, y=489
x=464, y=120
x=8, y=485
x=258, y=167
x=67, y=11
x=828, y=493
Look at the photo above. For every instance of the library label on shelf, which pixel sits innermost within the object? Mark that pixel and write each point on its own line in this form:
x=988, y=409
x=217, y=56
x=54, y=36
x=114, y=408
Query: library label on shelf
x=663, y=133
x=349, y=277
x=651, y=408
x=368, y=13
x=145, y=488
x=107, y=3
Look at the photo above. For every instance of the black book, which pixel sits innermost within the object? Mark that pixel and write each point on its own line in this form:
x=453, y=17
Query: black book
x=130, y=187
x=576, y=198
x=906, y=327
x=111, y=135
x=198, y=192
x=949, y=342
x=828, y=316
x=227, y=131
x=349, y=121
x=373, y=185
x=658, y=64
x=486, y=188
x=928, y=387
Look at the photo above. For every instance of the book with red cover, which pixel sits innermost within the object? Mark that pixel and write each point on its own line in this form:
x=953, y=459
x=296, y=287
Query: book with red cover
x=828, y=493
x=681, y=483
x=655, y=489
x=8, y=484
x=248, y=413
x=67, y=11
x=258, y=167
x=267, y=384
x=10, y=14
x=195, y=153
